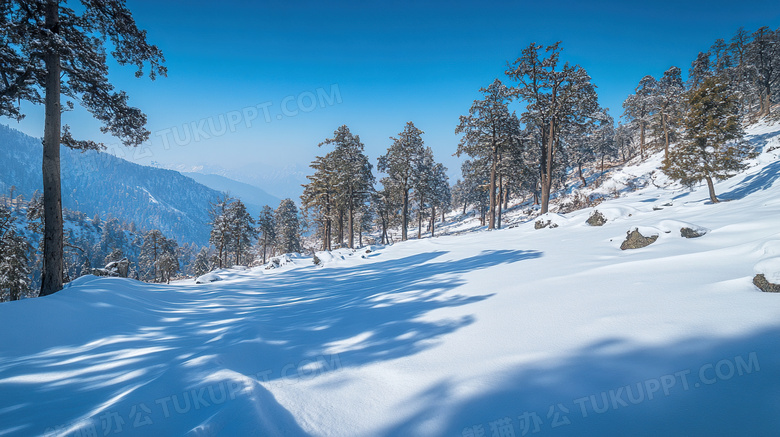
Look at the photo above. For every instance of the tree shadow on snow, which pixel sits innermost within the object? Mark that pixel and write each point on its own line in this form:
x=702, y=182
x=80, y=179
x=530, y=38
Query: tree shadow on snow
x=732, y=386
x=160, y=346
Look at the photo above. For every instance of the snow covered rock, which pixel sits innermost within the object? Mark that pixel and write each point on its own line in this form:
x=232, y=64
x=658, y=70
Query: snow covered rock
x=763, y=284
x=635, y=240
x=208, y=277
x=596, y=219
x=687, y=232
x=116, y=269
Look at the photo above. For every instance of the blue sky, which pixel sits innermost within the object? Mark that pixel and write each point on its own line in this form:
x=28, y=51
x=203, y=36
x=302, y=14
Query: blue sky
x=382, y=64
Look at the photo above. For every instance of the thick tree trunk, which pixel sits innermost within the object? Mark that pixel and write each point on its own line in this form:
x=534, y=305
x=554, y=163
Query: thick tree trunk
x=711, y=188
x=547, y=178
x=52, y=196
x=506, y=197
x=499, y=201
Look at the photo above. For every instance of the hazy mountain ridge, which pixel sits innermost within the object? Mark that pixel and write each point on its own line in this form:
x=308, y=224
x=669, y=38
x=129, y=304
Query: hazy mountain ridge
x=103, y=184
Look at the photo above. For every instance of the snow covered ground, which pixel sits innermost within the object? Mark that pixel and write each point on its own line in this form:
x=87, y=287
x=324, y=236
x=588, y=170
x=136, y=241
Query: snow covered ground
x=514, y=332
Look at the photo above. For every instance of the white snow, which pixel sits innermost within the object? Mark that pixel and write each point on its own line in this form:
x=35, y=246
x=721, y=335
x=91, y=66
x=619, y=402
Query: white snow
x=208, y=277
x=463, y=335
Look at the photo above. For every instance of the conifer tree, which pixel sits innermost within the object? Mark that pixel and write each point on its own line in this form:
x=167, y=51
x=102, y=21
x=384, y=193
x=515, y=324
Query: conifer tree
x=402, y=165
x=154, y=246
x=714, y=147
x=220, y=235
x=241, y=229
x=287, y=227
x=48, y=51
x=556, y=97
x=489, y=131
x=266, y=228
x=638, y=110
x=201, y=266
x=354, y=178
x=669, y=105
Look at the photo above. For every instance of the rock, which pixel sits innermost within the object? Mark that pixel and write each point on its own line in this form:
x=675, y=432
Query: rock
x=763, y=284
x=541, y=224
x=208, y=277
x=596, y=219
x=117, y=269
x=692, y=233
x=635, y=240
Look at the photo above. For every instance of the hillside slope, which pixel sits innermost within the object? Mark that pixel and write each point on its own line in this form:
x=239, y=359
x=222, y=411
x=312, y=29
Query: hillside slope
x=554, y=331
x=103, y=184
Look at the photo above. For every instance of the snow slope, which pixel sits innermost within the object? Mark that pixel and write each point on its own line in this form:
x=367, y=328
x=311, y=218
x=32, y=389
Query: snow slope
x=508, y=333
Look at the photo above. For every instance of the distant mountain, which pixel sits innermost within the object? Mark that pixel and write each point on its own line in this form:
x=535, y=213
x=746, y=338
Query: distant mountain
x=280, y=182
x=253, y=197
x=103, y=184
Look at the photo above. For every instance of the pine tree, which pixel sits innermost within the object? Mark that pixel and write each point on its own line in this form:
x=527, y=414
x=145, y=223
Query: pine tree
x=287, y=227
x=320, y=196
x=154, y=246
x=266, y=228
x=166, y=266
x=489, y=131
x=714, y=147
x=556, y=97
x=201, y=266
x=638, y=110
x=402, y=165
x=242, y=229
x=669, y=105
x=764, y=54
x=48, y=51
x=220, y=235
x=354, y=179
x=14, y=264
x=475, y=186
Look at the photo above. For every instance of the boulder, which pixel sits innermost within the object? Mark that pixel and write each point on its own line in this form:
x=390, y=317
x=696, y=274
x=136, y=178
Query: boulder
x=541, y=224
x=596, y=219
x=763, y=284
x=635, y=240
x=208, y=277
x=117, y=269
x=692, y=233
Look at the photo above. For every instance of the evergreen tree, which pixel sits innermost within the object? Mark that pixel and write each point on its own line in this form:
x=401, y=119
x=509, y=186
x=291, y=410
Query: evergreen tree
x=49, y=50
x=220, y=235
x=669, y=105
x=638, y=110
x=166, y=266
x=714, y=147
x=242, y=230
x=287, y=227
x=476, y=183
x=201, y=266
x=354, y=179
x=154, y=246
x=488, y=132
x=556, y=97
x=266, y=228
x=14, y=264
x=402, y=165
x=764, y=54
x=320, y=196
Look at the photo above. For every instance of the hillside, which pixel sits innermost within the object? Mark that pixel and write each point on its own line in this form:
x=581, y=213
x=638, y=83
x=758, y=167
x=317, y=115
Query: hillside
x=553, y=331
x=102, y=184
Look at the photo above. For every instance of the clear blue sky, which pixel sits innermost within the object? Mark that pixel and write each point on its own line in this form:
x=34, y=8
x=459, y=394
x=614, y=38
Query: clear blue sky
x=390, y=61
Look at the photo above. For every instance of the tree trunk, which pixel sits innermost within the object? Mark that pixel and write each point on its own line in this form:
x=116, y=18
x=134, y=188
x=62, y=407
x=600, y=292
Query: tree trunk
x=433, y=219
x=666, y=137
x=582, y=178
x=642, y=140
x=405, y=215
x=52, y=196
x=492, y=218
x=711, y=188
x=351, y=221
x=499, y=202
x=547, y=178
x=419, y=220
x=442, y=215
x=506, y=197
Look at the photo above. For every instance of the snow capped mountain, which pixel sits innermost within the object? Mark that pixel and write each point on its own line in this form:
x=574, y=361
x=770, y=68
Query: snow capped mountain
x=521, y=331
